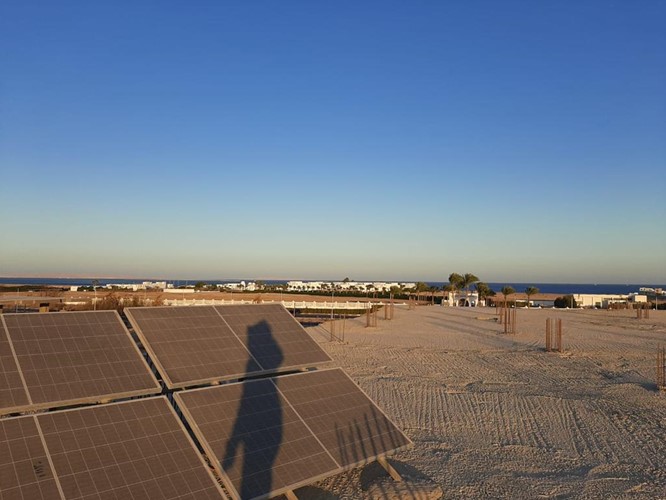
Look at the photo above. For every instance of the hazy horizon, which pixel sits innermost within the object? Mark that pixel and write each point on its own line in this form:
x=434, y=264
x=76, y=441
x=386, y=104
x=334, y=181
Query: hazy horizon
x=411, y=140
x=222, y=279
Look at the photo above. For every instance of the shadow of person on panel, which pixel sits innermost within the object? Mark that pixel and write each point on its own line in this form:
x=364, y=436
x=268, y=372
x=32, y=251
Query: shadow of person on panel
x=257, y=429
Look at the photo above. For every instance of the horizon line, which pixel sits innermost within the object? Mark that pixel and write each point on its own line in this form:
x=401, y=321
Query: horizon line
x=127, y=277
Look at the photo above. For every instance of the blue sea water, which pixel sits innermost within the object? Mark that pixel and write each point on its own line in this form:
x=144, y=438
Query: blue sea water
x=559, y=288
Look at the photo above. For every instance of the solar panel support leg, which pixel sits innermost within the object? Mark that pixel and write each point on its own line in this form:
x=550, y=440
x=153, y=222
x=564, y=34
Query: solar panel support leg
x=389, y=468
x=290, y=495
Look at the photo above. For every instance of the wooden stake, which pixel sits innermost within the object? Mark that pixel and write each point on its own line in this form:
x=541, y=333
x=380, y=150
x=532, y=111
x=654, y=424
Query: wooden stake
x=389, y=468
x=661, y=368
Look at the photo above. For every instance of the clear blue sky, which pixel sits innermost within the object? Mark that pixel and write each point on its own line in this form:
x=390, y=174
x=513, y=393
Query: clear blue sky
x=522, y=141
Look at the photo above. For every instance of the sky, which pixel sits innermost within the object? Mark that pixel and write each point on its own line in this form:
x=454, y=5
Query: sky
x=521, y=141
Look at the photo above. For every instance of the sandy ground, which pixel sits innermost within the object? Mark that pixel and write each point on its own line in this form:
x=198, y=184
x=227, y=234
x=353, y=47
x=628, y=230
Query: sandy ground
x=494, y=415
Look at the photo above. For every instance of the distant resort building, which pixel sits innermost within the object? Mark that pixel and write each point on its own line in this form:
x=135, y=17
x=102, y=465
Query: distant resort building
x=350, y=286
x=146, y=285
x=462, y=298
x=240, y=286
x=607, y=300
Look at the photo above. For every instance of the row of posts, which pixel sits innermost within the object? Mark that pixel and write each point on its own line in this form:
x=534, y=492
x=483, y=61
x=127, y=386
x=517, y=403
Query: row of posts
x=643, y=311
x=370, y=319
x=507, y=317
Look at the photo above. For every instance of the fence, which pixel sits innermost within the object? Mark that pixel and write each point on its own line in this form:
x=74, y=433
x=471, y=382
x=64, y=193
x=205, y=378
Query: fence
x=289, y=304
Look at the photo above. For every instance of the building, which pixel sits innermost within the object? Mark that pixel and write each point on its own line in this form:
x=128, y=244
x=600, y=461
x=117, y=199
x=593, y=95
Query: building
x=601, y=301
x=462, y=298
x=347, y=286
x=240, y=286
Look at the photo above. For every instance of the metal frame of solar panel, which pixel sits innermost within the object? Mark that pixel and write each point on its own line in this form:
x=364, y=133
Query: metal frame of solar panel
x=203, y=344
x=133, y=449
x=294, y=430
x=69, y=358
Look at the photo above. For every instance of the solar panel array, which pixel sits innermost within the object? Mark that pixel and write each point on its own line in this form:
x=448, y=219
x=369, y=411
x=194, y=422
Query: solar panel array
x=264, y=436
x=293, y=429
x=195, y=345
x=130, y=450
x=56, y=359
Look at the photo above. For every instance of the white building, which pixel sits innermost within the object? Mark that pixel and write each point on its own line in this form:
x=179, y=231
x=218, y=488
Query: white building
x=601, y=301
x=146, y=285
x=350, y=286
x=464, y=298
x=241, y=286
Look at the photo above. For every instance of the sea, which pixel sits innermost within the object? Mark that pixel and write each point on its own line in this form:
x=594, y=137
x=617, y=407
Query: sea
x=558, y=288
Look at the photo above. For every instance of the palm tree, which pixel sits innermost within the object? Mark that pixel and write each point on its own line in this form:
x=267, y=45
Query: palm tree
x=461, y=281
x=483, y=290
x=455, y=281
x=529, y=291
x=507, y=290
x=468, y=279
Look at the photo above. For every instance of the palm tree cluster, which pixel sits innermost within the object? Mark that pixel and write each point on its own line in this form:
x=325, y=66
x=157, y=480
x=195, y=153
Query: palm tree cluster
x=462, y=281
x=459, y=282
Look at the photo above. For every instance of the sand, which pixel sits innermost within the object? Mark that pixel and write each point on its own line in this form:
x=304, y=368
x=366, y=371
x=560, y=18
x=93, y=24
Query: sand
x=494, y=415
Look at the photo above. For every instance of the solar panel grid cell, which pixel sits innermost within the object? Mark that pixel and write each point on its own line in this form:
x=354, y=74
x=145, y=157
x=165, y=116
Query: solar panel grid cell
x=125, y=450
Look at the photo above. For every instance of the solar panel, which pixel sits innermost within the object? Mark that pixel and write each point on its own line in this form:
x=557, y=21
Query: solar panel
x=278, y=450
x=193, y=345
x=190, y=345
x=129, y=450
x=73, y=357
x=346, y=421
x=260, y=327
x=25, y=471
x=293, y=430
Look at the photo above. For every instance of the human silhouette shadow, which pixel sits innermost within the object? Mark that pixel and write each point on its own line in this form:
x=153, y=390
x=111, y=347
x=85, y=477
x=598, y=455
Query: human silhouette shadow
x=258, y=425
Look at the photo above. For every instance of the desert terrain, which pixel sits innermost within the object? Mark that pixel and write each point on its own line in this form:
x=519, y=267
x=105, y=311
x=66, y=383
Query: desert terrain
x=494, y=415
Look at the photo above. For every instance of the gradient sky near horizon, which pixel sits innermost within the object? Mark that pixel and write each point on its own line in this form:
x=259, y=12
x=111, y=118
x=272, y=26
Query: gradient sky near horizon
x=521, y=141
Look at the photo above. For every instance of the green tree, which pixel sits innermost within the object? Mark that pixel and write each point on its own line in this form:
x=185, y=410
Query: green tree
x=529, y=291
x=422, y=287
x=483, y=290
x=564, y=302
x=462, y=281
x=468, y=279
x=456, y=281
x=506, y=291
x=346, y=280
